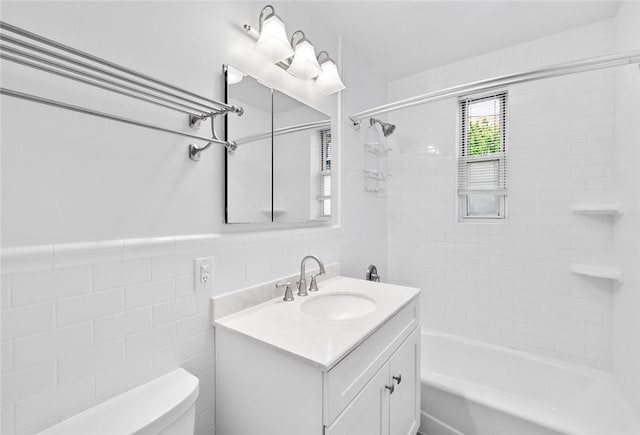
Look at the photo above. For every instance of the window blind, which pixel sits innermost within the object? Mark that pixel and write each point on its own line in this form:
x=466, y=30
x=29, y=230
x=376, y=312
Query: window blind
x=482, y=161
x=325, y=172
x=325, y=150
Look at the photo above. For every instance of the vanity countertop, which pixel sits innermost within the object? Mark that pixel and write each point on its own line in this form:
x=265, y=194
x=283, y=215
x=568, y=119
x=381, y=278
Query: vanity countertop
x=322, y=343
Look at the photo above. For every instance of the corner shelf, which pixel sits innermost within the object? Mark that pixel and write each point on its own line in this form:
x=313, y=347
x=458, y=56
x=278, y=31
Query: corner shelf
x=375, y=190
x=376, y=174
x=377, y=149
x=604, y=272
x=612, y=209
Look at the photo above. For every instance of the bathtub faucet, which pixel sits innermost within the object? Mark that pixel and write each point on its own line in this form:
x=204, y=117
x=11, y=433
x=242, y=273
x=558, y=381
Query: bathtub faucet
x=302, y=283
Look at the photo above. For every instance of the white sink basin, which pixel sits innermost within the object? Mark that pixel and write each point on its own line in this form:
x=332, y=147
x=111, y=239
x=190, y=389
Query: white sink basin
x=339, y=306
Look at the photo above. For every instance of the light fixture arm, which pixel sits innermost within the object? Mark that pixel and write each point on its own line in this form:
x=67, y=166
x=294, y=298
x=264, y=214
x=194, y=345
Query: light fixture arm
x=263, y=17
x=326, y=54
x=302, y=38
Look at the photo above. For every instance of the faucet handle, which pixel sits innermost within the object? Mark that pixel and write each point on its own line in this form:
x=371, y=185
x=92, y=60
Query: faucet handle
x=313, y=287
x=288, y=294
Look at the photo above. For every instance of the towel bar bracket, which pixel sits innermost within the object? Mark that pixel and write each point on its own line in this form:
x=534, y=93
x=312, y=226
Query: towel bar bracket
x=196, y=120
x=196, y=150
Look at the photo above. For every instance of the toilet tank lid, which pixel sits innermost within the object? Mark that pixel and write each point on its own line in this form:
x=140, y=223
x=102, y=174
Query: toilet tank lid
x=148, y=408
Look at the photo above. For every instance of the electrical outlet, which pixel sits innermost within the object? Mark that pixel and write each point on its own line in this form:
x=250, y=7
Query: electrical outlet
x=203, y=273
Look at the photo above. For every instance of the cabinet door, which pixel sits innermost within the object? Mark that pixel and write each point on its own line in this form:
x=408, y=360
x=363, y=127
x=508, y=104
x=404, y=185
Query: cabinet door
x=404, y=373
x=368, y=413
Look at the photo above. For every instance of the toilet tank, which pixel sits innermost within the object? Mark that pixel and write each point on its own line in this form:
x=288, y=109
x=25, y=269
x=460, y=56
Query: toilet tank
x=165, y=405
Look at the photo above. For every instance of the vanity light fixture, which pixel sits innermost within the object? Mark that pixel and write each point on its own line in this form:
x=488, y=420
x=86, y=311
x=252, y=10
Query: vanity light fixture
x=234, y=76
x=329, y=81
x=304, y=64
x=300, y=61
x=273, y=41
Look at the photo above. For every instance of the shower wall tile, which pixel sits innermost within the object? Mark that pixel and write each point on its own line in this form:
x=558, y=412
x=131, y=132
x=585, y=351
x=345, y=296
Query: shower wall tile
x=76, y=333
x=509, y=283
x=626, y=298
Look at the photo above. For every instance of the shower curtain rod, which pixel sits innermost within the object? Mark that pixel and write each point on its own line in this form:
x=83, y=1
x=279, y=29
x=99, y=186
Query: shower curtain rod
x=589, y=64
x=284, y=130
x=33, y=98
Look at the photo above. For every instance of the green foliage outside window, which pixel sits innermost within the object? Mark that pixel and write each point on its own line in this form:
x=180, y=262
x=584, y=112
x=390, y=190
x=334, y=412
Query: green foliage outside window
x=483, y=137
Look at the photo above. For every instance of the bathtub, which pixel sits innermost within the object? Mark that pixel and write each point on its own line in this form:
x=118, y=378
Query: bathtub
x=470, y=387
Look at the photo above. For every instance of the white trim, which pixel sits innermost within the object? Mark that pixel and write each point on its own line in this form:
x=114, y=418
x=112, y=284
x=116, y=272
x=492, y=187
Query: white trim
x=43, y=257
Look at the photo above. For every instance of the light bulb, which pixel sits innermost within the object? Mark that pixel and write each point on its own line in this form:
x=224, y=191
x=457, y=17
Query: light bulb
x=304, y=64
x=329, y=81
x=273, y=41
x=233, y=75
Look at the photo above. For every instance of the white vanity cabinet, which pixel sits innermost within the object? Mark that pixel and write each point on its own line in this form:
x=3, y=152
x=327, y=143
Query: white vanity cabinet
x=374, y=388
x=389, y=403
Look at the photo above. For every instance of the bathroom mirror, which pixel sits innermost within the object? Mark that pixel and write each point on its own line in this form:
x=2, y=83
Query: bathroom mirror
x=281, y=171
x=249, y=195
x=301, y=161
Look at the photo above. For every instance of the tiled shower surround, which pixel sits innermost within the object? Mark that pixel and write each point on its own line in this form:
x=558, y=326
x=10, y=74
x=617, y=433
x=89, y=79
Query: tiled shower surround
x=84, y=322
x=509, y=283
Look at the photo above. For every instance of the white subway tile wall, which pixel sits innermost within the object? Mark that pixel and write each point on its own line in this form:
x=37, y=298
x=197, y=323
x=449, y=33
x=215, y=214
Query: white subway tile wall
x=510, y=283
x=626, y=243
x=79, y=329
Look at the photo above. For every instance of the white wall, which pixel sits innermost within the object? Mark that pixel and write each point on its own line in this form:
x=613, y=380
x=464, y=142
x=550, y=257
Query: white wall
x=97, y=292
x=626, y=241
x=509, y=283
x=131, y=182
x=364, y=239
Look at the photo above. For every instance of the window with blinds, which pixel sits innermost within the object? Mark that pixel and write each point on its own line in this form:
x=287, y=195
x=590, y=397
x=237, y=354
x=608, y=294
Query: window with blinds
x=482, y=159
x=325, y=173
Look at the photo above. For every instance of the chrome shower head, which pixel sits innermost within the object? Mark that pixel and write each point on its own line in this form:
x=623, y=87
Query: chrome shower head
x=387, y=129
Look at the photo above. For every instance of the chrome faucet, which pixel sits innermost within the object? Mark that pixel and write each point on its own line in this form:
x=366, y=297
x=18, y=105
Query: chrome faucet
x=302, y=283
x=372, y=274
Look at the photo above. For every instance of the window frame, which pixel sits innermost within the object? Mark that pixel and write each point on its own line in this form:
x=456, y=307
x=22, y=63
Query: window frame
x=462, y=199
x=325, y=172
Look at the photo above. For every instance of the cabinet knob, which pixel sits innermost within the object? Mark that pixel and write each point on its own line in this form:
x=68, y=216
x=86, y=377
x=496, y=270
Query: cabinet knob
x=398, y=378
x=390, y=388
